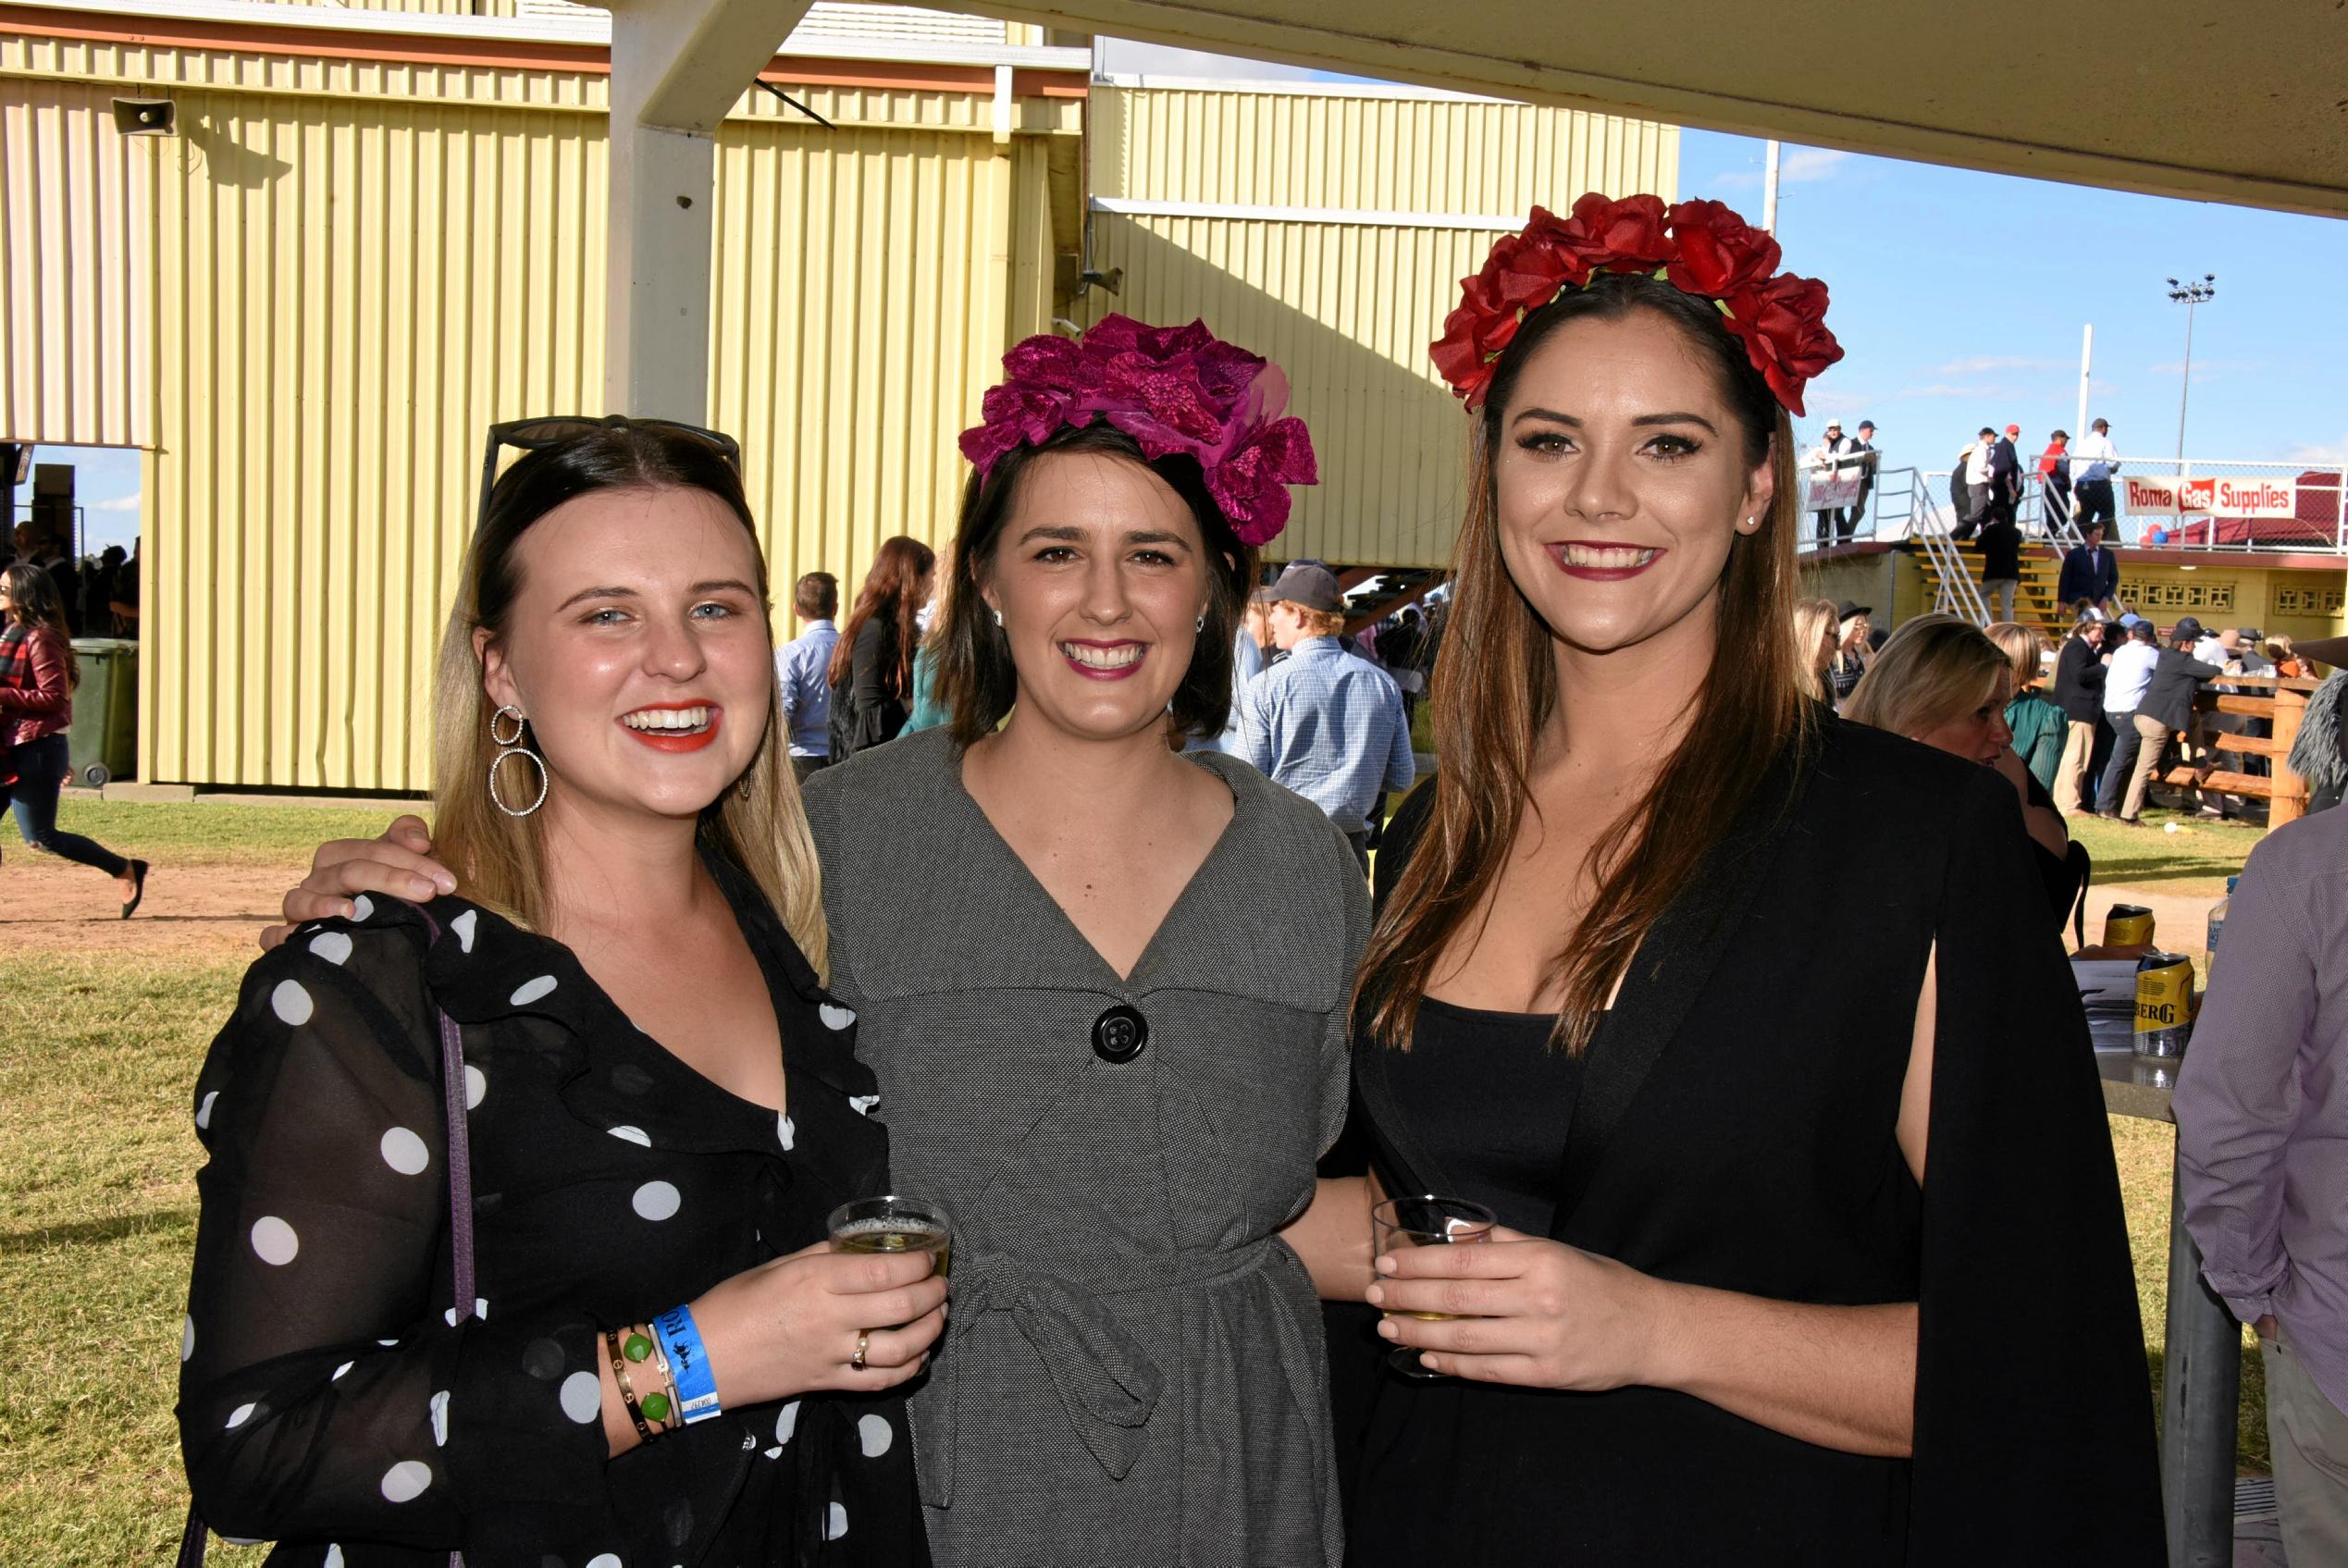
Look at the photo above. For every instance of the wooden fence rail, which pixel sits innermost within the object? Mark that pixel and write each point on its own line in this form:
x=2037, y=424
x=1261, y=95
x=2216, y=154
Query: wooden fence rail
x=2284, y=791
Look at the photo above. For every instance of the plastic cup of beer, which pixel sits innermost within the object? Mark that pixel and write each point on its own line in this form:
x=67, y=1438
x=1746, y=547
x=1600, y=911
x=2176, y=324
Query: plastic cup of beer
x=894, y=1223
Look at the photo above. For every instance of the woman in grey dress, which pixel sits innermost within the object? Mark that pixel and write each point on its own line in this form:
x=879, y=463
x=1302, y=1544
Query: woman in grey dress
x=1104, y=985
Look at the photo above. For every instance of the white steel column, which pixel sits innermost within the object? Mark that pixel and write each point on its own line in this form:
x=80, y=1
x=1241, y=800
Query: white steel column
x=677, y=66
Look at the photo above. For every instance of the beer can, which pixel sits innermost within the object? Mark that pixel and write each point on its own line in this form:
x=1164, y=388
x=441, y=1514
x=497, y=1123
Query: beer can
x=2164, y=1004
x=2126, y=925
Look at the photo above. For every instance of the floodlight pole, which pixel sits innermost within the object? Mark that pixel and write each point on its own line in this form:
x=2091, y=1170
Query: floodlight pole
x=2189, y=295
x=1769, y=193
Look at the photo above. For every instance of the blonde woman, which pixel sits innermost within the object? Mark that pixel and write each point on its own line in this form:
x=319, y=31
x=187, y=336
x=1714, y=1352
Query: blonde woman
x=659, y=1361
x=2039, y=728
x=1817, y=638
x=1941, y=681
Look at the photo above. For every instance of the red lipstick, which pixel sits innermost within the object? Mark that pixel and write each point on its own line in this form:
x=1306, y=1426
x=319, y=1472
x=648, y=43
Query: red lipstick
x=675, y=740
x=1557, y=553
x=1094, y=672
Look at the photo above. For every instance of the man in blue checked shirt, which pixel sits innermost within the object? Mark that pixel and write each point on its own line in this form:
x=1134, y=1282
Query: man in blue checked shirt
x=801, y=665
x=1322, y=722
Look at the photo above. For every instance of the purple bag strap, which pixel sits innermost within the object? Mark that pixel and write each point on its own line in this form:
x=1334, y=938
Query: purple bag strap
x=194, y=1537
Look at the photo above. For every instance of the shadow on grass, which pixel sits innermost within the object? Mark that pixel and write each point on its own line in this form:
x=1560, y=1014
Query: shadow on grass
x=85, y=1230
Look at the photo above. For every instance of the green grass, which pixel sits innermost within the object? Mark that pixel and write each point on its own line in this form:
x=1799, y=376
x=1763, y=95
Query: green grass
x=2196, y=860
x=98, y=1059
x=2145, y=1151
x=220, y=834
x=96, y=1223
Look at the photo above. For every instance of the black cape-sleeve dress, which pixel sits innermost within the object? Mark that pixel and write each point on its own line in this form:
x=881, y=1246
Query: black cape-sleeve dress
x=1733, y=1126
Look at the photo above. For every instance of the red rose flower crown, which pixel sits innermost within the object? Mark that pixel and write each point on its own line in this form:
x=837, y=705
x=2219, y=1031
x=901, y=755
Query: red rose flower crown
x=1174, y=389
x=1700, y=248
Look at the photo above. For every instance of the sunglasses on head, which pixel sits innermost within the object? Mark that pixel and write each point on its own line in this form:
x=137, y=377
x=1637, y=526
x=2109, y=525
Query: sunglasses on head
x=536, y=434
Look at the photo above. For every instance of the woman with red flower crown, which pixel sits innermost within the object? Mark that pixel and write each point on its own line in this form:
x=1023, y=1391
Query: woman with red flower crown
x=1731, y=1314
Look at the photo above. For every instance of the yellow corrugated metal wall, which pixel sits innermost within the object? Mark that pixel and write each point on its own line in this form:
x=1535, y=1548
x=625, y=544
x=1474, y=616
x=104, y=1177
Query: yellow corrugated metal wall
x=348, y=288
x=1347, y=309
x=347, y=293
x=72, y=269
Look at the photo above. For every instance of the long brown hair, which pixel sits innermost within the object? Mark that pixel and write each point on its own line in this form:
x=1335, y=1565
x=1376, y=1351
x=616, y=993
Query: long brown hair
x=33, y=603
x=890, y=590
x=1495, y=688
x=756, y=824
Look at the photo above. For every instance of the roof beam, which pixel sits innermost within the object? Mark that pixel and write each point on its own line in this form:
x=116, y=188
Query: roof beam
x=677, y=66
x=2171, y=98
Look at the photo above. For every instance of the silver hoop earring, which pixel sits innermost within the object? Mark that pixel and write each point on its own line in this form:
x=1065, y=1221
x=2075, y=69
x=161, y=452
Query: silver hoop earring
x=512, y=747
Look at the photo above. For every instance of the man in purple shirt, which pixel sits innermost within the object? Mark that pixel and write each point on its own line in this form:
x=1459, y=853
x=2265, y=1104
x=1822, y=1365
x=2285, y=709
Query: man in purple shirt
x=2262, y=1155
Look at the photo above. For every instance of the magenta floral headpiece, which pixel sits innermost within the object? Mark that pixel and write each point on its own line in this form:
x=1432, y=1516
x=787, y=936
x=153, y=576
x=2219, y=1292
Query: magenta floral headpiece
x=1174, y=389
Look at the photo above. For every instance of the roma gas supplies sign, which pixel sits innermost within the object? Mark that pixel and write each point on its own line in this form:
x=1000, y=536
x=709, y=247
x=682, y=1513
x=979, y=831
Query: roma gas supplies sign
x=2211, y=498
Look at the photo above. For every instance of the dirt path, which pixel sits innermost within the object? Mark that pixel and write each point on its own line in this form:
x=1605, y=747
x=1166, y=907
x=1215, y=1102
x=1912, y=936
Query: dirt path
x=190, y=911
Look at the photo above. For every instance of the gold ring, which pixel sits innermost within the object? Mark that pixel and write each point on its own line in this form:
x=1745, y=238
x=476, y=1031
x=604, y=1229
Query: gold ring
x=864, y=1343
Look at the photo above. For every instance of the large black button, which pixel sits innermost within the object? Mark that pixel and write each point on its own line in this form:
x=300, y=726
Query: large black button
x=1120, y=1034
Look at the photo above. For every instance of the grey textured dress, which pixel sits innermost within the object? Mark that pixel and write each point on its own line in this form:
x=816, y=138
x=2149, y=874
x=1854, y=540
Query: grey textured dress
x=1135, y=1370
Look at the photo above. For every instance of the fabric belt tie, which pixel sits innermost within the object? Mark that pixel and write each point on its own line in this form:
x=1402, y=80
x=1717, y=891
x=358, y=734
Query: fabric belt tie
x=1106, y=1383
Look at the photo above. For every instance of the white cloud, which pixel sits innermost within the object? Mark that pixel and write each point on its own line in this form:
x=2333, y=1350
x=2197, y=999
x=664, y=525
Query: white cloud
x=1806, y=166
x=1978, y=364
x=1960, y=389
x=2313, y=452
x=113, y=503
x=1743, y=180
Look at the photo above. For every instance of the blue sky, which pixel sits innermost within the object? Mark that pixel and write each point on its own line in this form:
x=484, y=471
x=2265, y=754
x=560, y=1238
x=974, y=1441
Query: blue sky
x=1958, y=298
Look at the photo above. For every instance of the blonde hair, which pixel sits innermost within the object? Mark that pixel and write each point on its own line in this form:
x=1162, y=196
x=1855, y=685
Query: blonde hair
x=757, y=823
x=1933, y=668
x=1812, y=619
x=1317, y=623
x=2022, y=647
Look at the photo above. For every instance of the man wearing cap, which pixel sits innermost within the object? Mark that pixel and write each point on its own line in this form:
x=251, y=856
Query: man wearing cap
x=1973, y=475
x=2091, y=572
x=2262, y=1114
x=1322, y=722
x=2005, y=475
x=2093, y=461
x=1863, y=447
x=2165, y=712
x=1826, y=466
x=1851, y=647
x=2130, y=673
x=2054, y=485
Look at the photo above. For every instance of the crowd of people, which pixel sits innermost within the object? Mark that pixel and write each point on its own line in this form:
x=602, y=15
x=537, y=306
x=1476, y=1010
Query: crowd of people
x=1322, y=712
x=522, y=1138
x=97, y=594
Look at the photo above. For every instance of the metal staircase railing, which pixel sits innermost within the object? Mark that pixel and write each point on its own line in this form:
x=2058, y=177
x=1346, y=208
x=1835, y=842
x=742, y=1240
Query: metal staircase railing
x=1958, y=595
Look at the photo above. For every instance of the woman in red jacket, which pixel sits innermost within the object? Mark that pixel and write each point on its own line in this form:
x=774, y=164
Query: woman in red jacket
x=37, y=675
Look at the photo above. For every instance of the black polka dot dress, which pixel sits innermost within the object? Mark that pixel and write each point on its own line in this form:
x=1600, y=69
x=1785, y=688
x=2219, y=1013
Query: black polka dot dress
x=331, y=1399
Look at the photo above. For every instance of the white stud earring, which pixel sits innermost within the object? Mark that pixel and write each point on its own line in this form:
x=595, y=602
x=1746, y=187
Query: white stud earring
x=998, y=619
x=1202, y=622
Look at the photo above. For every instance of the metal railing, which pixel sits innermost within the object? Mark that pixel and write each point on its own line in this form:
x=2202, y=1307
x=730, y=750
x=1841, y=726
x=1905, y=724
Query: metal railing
x=2200, y=504
x=1929, y=524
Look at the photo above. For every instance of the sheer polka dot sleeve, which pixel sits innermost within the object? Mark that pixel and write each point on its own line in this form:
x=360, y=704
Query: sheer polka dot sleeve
x=325, y=1389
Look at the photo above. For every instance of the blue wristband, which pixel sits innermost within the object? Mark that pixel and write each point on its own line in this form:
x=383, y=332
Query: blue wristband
x=680, y=1339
